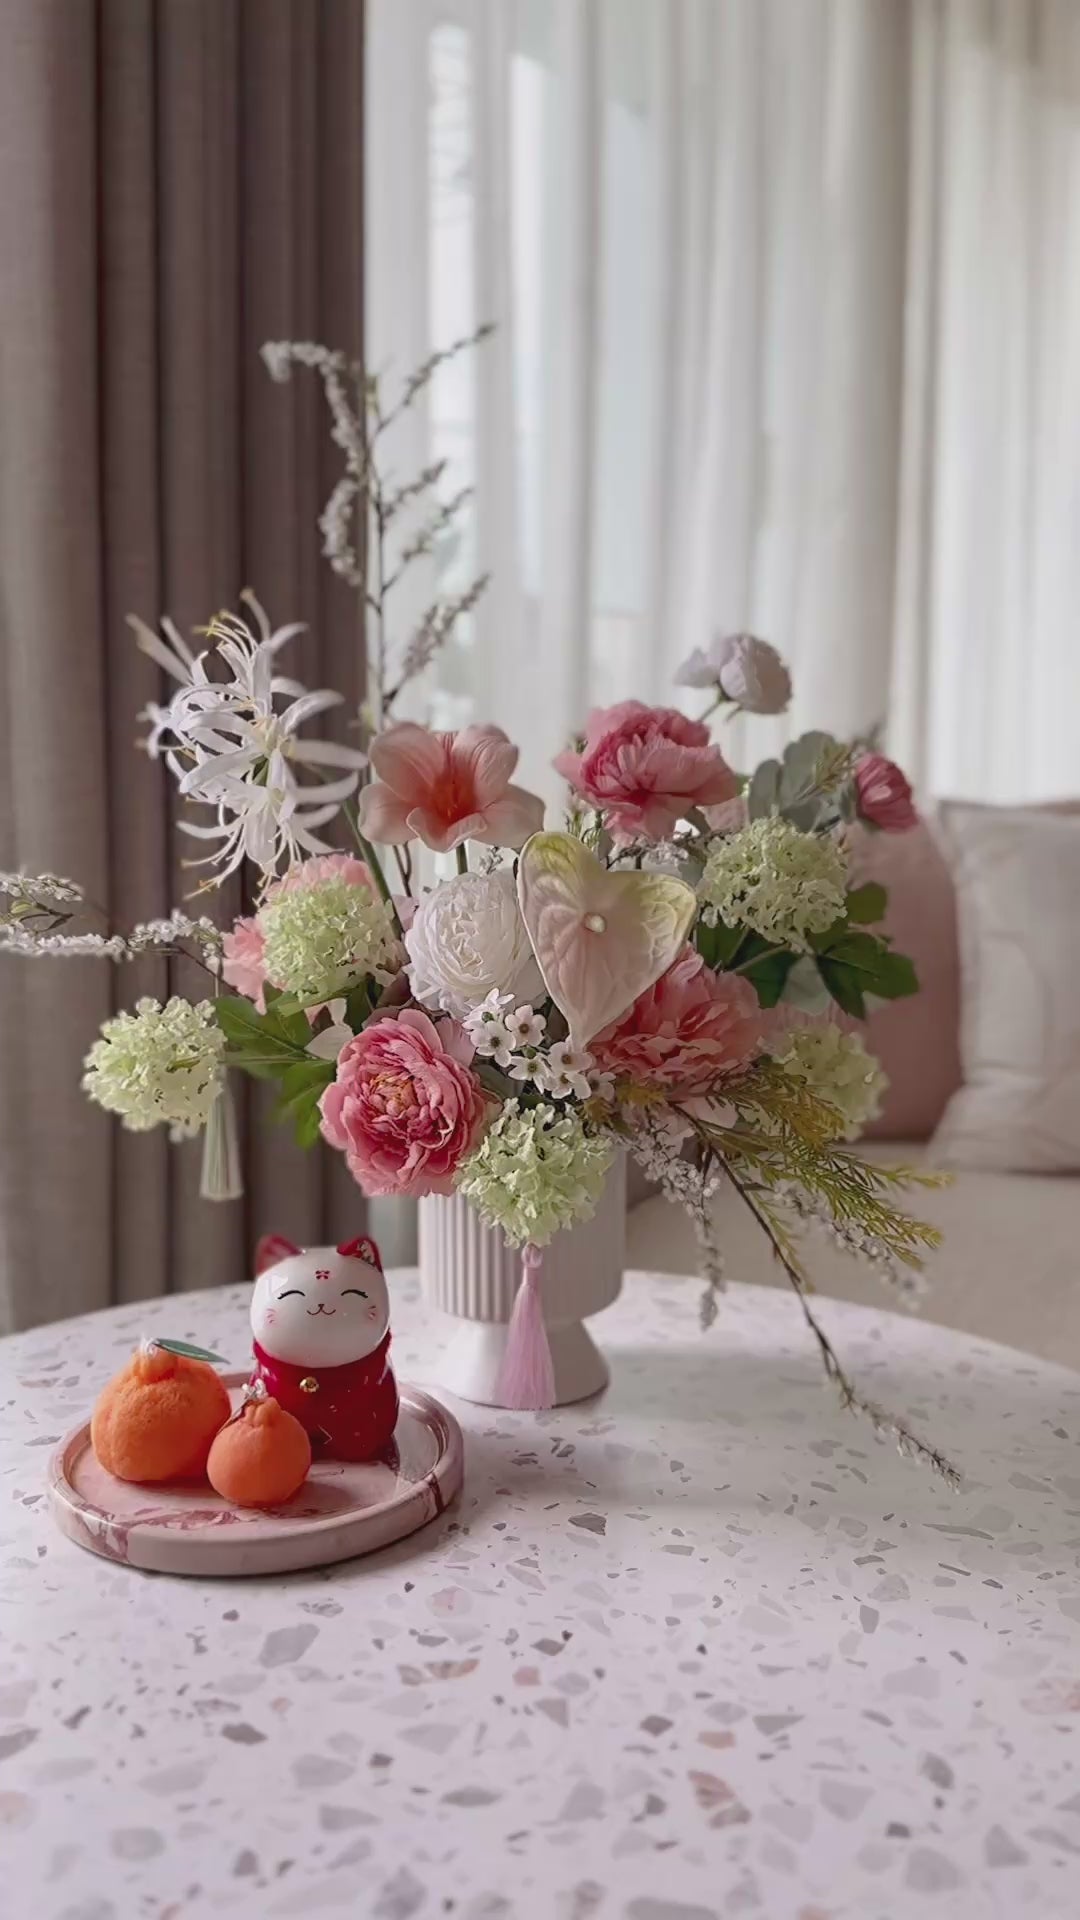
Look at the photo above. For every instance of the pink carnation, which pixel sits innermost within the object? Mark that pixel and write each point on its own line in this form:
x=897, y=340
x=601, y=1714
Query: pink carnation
x=685, y=1032
x=883, y=795
x=404, y=1108
x=243, y=964
x=646, y=767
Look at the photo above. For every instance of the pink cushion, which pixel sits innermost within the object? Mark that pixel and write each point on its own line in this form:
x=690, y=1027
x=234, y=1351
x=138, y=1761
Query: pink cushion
x=917, y=1040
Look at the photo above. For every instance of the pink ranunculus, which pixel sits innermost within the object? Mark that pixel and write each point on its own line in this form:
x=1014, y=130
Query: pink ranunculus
x=446, y=788
x=685, y=1032
x=243, y=963
x=883, y=795
x=405, y=1109
x=646, y=767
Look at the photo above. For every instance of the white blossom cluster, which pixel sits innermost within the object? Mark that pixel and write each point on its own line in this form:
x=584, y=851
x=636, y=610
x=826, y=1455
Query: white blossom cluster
x=346, y=431
x=909, y=1284
x=41, y=889
x=513, y=1038
x=148, y=936
x=656, y=1148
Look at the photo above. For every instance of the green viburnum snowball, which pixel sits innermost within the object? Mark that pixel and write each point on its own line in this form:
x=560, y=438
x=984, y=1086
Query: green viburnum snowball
x=317, y=938
x=780, y=882
x=161, y=1065
x=535, y=1172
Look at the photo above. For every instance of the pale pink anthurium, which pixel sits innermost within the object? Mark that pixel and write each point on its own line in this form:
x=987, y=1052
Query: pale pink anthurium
x=600, y=937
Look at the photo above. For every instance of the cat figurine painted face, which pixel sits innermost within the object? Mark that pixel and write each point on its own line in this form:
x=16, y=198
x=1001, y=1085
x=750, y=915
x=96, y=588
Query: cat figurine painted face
x=320, y=1307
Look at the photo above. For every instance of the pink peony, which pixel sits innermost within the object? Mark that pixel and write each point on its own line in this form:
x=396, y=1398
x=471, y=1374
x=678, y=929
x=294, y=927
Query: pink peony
x=883, y=795
x=646, y=767
x=243, y=965
x=685, y=1032
x=405, y=1109
x=446, y=788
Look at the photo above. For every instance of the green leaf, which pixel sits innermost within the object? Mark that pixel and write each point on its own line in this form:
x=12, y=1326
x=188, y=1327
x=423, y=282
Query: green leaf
x=718, y=945
x=308, y=1128
x=188, y=1352
x=305, y=1080
x=766, y=970
x=859, y=963
x=358, y=1007
x=844, y=987
x=866, y=905
x=263, y=1044
x=302, y=1087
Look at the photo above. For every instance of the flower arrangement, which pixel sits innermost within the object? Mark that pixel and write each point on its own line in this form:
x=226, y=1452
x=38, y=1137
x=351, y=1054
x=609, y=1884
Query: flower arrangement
x=655, y=975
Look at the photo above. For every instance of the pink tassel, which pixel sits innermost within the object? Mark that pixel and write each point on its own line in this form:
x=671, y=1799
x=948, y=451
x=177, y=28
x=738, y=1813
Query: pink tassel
x=527, y=1377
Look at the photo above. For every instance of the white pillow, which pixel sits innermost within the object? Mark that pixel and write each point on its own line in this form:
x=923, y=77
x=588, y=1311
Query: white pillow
x=1017, y=875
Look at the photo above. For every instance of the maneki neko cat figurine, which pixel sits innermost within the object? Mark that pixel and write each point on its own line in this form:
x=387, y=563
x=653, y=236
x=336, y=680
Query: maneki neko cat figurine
x=320, y=1321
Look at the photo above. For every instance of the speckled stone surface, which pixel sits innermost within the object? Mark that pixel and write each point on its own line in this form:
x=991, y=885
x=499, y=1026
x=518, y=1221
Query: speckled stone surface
x=700, y=1648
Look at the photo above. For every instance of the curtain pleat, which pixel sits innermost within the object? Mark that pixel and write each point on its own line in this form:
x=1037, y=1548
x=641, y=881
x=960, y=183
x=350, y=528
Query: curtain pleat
x=189, y=184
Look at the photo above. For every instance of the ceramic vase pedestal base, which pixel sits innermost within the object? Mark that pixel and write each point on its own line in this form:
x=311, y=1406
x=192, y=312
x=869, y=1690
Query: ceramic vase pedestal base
x=471, y=1365
x=470, y=1274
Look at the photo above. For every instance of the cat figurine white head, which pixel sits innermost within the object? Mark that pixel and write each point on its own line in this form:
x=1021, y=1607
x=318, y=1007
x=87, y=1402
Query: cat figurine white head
x=319, y=1306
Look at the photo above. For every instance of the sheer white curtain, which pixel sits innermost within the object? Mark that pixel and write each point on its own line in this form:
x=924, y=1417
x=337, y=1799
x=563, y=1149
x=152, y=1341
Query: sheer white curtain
x=786, y=294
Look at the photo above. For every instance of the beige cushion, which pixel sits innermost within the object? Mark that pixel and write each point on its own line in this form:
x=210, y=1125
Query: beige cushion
x=1017, y=876
x=1009, y=1268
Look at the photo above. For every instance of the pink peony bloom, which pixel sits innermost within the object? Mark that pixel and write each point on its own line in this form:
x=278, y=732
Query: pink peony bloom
x=685, y=1032
x=405, y=1109
x=883, y=795
x=446, y=788
x=243, y=964
x=645, y=767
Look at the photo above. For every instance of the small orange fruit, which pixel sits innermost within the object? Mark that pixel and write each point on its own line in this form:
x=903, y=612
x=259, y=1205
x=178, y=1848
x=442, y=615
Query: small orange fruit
x=157, y=1417
x=260, y=1458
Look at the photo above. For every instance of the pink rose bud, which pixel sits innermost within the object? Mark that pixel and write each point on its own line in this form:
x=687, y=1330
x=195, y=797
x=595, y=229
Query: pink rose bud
x=883, y=795
x=747, y=670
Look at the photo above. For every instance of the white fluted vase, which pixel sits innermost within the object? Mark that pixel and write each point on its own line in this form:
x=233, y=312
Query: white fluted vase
x=468, y=1272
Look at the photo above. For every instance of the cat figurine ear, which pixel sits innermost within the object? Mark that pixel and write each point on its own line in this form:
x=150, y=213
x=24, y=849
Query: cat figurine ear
x=363, y=1248
x=272, y=1248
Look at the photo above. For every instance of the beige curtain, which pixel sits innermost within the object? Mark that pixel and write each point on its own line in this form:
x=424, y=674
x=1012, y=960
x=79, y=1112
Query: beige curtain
x=181, y=180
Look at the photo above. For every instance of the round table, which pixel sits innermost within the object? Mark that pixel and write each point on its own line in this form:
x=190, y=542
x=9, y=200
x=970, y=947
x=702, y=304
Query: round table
x=699, y=1648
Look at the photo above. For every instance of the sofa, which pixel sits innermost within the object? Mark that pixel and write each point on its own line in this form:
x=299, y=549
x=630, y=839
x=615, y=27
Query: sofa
x=1009, y=1268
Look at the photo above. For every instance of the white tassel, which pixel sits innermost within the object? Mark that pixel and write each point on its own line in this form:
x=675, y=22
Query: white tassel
x=221, y=1176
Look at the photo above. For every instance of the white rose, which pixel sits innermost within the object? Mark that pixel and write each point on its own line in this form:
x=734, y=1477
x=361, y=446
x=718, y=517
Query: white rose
x=749, y=671
x=468, y=940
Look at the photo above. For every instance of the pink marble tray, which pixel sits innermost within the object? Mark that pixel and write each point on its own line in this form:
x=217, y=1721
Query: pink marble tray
x=340, y=1511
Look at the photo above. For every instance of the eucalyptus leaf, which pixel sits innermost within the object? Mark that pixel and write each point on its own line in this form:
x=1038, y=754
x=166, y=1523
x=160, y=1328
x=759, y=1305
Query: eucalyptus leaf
x=763, y=796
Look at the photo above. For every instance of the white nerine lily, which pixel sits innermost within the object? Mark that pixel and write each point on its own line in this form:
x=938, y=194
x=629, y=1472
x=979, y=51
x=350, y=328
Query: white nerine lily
x=233, y=744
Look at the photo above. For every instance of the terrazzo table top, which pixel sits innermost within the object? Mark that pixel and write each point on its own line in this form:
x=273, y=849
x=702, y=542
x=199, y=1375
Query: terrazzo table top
x=699, y=1648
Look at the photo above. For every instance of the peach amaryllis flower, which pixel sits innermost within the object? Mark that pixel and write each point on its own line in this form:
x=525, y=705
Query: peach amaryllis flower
x=446, y=788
